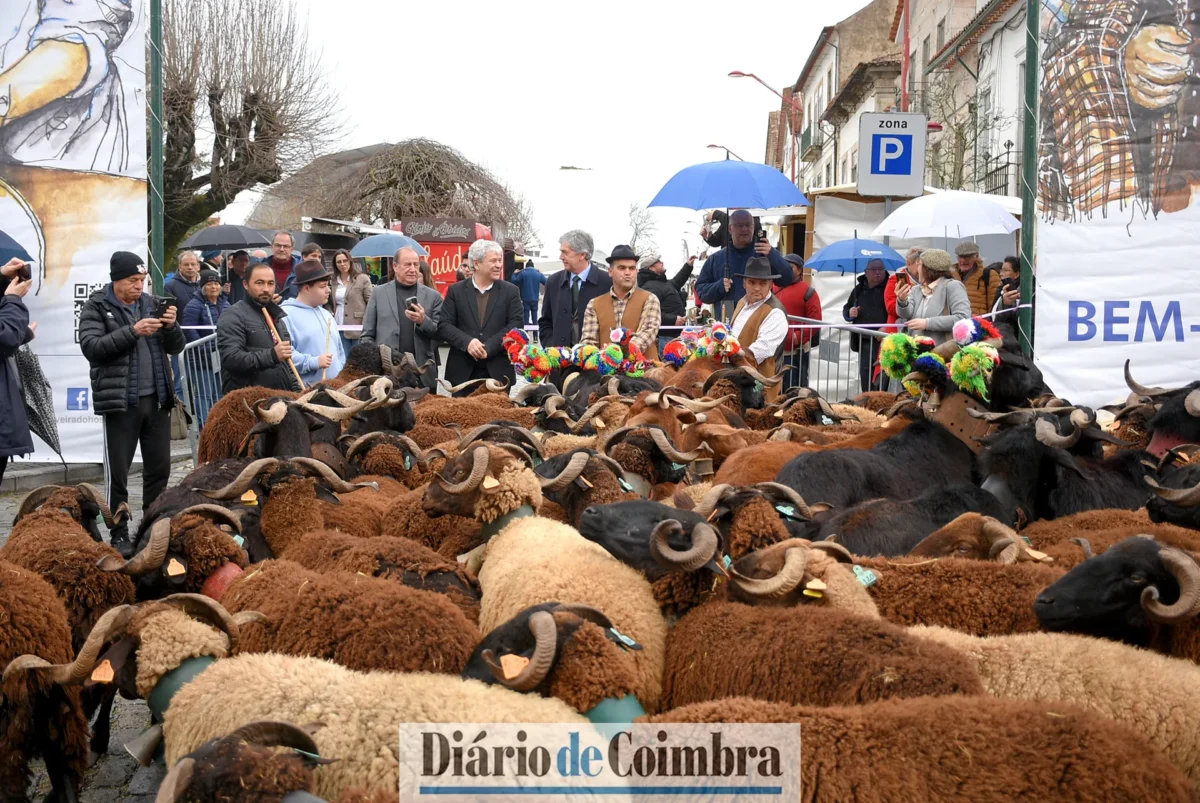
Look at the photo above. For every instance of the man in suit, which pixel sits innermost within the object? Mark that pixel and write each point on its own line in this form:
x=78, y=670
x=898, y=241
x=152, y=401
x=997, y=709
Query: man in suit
x=412, y=332
x=476, y=315
x=569, y=291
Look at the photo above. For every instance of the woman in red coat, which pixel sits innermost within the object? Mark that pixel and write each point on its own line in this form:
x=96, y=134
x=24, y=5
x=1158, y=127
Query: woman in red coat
x=801, y=300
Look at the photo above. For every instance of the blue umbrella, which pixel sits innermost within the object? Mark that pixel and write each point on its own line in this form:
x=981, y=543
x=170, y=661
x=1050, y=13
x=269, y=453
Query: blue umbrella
x=729, y=184
x=854, y=254
x=385, y=245
x=10, y=248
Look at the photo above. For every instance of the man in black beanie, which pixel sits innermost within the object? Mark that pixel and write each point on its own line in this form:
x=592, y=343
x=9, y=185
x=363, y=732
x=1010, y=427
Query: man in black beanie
x=126, y=340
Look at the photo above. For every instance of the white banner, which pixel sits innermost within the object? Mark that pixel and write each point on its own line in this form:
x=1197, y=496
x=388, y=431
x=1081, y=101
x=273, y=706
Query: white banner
x=72, y=175
x=1118, y=224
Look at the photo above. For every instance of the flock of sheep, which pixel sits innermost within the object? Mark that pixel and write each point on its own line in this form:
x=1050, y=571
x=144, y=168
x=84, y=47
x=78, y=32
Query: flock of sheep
x=955, y=600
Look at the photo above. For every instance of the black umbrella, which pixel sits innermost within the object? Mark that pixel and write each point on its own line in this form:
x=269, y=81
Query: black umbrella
x=39, y=399
x=226, y=238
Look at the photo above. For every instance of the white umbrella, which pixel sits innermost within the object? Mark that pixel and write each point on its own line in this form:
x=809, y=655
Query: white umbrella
x=947, y=214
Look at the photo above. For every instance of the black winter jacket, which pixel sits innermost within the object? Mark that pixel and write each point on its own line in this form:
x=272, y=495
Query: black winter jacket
x=668, y=291
x=248, y=350
x=14, y=332
x=108, y=343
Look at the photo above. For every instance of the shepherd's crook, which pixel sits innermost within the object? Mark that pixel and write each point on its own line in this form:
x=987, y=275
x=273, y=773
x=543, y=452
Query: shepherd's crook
x=278, y=339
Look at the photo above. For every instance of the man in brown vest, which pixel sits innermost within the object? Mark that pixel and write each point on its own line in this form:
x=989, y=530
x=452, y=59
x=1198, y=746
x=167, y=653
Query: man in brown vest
x=636, y=310
x=759, y=321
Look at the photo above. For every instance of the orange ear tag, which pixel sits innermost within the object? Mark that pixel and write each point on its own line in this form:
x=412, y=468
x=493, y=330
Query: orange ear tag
x=175, y=568
x=513, y=665
x=103, y=673
x=249, y=498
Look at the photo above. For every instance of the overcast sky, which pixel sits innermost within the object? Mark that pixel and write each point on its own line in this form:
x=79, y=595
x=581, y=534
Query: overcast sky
x=633, y=90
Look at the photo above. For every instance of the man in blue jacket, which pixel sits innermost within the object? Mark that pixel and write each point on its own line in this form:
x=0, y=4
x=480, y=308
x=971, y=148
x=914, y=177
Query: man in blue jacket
x=719, y=283
x=530, y=280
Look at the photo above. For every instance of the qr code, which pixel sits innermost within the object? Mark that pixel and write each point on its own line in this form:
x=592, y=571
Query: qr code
x=82, y=293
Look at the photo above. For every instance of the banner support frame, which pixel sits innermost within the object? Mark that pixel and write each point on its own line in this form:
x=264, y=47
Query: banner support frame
x=1029, y=177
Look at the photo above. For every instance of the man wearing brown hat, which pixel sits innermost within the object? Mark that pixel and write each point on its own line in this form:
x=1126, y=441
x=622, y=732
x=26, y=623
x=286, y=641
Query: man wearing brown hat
x=316, y=347
x=759, y=320
x=126, y=337
x=624, y=306
x=973, y=276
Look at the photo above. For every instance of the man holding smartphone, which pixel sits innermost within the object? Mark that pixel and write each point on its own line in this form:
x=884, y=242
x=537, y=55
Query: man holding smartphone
x=403, y=314
x=718, y=283
x=127, y=337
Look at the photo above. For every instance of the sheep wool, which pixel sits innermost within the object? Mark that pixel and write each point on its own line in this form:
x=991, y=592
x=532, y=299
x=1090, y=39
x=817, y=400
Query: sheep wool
x=361, y=711
x=168, y=637
x=518, y=486
x=406, y=519
x=555, y=444
x=535, y=560
x=1153, y=694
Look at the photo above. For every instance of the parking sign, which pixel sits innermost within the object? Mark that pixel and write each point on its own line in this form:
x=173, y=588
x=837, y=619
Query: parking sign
x=891, y=150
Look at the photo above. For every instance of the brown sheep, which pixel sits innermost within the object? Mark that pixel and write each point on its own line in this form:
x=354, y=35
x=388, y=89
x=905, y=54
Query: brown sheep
x=38, y=717
x=1044, y=532
x=82, y=502
x=428, y=436
x=357, y=621
x=390, y=455
x=958, y=748
x=804, y=656
x=230, y=421
x=406, y=518
x=584, y=479
x=398, y=559
x=467, y=413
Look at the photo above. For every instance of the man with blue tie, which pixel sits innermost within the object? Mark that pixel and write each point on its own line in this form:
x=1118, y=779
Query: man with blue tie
x=569, y=291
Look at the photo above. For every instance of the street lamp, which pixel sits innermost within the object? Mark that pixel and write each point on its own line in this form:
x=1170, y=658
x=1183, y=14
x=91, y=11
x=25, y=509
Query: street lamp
x=728, y=152
x=795, y=110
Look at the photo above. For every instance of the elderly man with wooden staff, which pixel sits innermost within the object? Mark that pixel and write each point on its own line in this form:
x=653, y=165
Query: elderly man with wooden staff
x=254, y=340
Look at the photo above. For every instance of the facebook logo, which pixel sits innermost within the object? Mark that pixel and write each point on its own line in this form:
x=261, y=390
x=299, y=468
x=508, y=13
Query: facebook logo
x=77, y=398
x=891, y=154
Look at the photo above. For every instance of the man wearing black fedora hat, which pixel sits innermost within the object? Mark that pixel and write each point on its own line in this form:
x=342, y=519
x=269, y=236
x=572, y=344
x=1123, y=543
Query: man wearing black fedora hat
x=759, y=319
x=624, y=306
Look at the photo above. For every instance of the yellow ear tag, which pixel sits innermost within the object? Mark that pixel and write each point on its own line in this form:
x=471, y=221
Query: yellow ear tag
x=490, y=482
x=175, y=568
x=815, y=585
x=249, y=498
x=1033, y=553
x=103, y=673
x=598, y=423
x=808, y=592
x=513, y=665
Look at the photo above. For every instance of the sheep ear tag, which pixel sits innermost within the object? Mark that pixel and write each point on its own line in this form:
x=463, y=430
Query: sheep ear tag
x=623, y=641
x=490, y=483
x=103, y=673
x=408, y=462
x=625, y=486
x=1025, y=538
x=239, y=540
x=678, y=466
x=513, y=665
x=175, y=568
x=249, y=498
x=788, y=512
x=865, y=576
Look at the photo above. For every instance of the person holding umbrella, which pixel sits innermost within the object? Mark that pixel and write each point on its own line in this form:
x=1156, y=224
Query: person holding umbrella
x=719, y=283
x=866, y=304
x=15, y=331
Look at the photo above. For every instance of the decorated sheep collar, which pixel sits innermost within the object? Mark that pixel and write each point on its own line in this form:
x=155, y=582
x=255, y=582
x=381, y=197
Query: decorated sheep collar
x=160, y=698
x=490, y=528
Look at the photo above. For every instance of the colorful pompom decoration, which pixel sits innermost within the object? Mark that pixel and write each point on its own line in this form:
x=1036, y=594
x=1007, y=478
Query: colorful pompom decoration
x=972, y=367
x=973, y=330
x=514, y=341
x=533, y=363
x=932, y=371
x=719, y=332
x=585, y=356
x=558, y=357
x=896, y=355
x=609, y=359
x=676, y=353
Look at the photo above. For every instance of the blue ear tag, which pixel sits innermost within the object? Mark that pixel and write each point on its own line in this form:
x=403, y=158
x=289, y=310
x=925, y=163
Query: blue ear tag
x=237, y=539
x=758, y=386
x=678, y=466
x=1025, y=538
x=307, y=754
x=826, y=420
x=787, y=510
x=865, y=576
x=408, y=462
x=629, y=644
x=728, y=561
x=625, y=486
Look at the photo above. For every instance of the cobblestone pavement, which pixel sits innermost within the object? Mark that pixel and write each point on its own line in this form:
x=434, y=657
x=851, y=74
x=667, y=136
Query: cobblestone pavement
x=115, y=777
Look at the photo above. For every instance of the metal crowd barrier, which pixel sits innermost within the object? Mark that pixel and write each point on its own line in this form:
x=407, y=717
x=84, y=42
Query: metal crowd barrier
x=200, y=369
x=834, y=369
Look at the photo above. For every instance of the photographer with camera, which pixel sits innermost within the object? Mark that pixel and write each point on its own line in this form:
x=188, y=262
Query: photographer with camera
x=1008, y=295
x=127, y=336
x=719, y=284
x=403, y=314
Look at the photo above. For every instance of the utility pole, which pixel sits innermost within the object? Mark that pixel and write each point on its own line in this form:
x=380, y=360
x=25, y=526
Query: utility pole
x=1029, y=177
x=156, y=147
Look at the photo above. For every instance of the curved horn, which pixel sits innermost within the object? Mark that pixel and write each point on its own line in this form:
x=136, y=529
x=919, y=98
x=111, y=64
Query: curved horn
x=425, y=366
x=350, y=387
x=1047, y=434
x=1187, y=574
x=835, y=550
x=475, y=434
x=530, y=438
x=209, y=610
x=385, y=356
x=702, y=406
x=470, y=383
x=1184, y=497
x=613, y=438
x=177, y=781
x=111, y=623
x=528, y=390
x=37, y=497
x=1011, y=418
x=1006, y=545
x=1141, y=390
x=613, y=466
x=336, y=483
x=364, y=441
x=667, y=448
x=780, y=433
x=415, y=449
x=704, y=545
x=658, y=399
x=495, y=385
x=770, y=383
x=1192, y=403
x=234, y=519
x=568, y=475
x=788, y=493
x=273, y=415
x=148, y=560
x=614, y=386
x=1085, y=545
x=795, y=563
x=277, y=734
x=517, y=452
x=719, y=374
x=242, y=482
x=335, y=413
x=708, y=503
x=545, y=634
x=480, y=457
x=93, y=493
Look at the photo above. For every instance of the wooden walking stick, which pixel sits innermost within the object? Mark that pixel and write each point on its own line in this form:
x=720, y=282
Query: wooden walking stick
x=328, y=333
x=278, y=339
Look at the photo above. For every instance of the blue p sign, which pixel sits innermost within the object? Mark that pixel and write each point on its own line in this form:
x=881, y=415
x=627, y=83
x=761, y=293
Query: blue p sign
x=891, y=154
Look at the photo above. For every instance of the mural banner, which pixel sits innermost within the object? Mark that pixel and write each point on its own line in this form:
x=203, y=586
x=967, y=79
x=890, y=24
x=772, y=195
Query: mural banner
x=1118, y=203
x=72, y=176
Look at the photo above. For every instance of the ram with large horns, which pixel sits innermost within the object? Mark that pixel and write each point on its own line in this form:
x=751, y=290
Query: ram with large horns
x=1176, y=413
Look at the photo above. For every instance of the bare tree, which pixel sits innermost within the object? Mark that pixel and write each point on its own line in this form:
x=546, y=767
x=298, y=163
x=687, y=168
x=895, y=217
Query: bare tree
x=521, y=227
x=245, y=101
x=959, y=157
x=641, y=229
